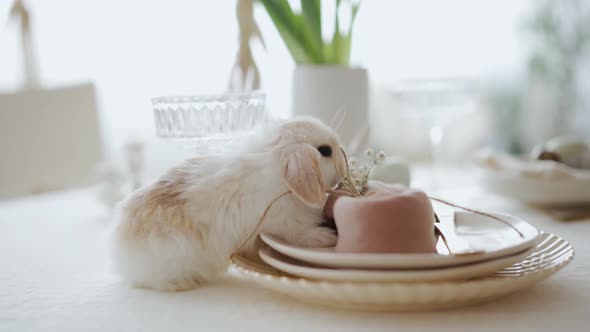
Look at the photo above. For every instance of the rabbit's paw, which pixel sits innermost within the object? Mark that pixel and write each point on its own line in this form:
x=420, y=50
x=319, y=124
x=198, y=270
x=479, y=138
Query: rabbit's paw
x=316, y=237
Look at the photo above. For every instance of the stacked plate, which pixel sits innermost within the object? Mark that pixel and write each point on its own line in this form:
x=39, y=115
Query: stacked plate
x=550, y=192
x=506, y=256
x=493, y=244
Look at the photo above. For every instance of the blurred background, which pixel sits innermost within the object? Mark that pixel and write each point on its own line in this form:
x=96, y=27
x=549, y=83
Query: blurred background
x=524, y=66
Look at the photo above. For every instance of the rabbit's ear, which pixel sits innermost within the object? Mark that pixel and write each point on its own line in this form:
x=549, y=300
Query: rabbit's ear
x=301, y=171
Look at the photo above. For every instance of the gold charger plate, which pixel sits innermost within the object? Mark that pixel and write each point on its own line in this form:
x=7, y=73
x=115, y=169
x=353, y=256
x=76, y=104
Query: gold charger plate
x=551, y=255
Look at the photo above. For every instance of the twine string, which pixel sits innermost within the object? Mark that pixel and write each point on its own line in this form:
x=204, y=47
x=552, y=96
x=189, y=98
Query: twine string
x=478, y=212
x=255, y=230
x=356, y=193
x=268, y=207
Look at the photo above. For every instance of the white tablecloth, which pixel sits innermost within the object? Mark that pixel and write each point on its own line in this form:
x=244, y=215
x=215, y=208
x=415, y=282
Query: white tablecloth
x=54, y=276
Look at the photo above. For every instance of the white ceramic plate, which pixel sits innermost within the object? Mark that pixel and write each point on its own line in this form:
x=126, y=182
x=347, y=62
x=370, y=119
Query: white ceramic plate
x=491, y=236
x=551, y=254
x=461, y=272
x=537, y=191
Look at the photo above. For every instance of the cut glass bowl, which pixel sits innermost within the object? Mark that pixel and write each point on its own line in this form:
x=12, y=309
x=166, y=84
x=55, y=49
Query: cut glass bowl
x=209, y=122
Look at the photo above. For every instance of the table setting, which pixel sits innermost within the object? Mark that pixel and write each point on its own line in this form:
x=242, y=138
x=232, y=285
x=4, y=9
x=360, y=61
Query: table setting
x=412, y=281
x=365, y=200
x=554, y=177
x=402, y=254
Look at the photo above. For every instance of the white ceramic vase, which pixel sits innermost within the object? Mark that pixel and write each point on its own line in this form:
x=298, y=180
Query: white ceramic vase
x=322, y=90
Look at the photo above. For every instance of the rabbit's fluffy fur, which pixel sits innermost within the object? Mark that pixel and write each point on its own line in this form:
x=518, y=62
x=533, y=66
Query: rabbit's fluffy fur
x=181, y=230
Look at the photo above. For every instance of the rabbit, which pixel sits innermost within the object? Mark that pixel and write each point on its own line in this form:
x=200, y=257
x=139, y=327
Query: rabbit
x=180, y=231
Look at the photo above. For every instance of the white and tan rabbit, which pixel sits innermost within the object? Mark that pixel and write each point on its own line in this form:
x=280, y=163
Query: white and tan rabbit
x=180, y=231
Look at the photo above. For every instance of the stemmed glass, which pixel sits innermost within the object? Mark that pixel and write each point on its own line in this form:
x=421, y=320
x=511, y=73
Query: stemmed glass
x=436, y=104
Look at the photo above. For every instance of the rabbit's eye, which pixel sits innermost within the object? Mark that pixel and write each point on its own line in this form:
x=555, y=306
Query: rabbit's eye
x=325, y=150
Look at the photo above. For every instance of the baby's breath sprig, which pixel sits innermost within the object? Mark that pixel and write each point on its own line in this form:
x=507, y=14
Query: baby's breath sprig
x=357, y=179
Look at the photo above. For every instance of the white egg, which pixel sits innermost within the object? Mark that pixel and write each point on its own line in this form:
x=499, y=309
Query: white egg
x=571, y=151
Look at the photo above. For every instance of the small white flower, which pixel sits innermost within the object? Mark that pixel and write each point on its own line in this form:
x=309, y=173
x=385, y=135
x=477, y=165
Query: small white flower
x=381, y=155
x=369, y=152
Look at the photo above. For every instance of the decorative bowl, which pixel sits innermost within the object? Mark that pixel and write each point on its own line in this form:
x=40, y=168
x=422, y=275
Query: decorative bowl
x=211, y=121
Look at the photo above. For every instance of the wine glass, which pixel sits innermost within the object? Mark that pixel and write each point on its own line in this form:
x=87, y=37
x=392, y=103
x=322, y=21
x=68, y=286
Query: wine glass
x=435, y=103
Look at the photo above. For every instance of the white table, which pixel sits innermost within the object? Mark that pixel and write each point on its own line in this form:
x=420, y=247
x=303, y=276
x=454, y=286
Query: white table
x=54, y=276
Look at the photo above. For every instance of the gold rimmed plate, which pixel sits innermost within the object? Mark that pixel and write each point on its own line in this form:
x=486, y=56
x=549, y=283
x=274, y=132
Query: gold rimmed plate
x=460, y=272
x=550, y=255
x=493, y=238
